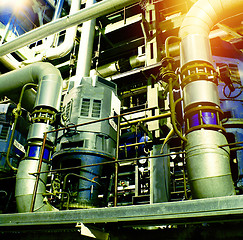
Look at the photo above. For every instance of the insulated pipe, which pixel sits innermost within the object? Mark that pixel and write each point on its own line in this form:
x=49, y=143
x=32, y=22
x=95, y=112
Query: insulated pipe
x=47, y=100
x=44, y=74
x=99, y=9
x=64, y=48
x=110, y=69
x=208, y=165
x=196, y=26
x=85, y=48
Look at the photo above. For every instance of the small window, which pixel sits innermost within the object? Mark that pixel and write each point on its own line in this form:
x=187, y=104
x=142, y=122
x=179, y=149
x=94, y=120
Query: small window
x=85, y=107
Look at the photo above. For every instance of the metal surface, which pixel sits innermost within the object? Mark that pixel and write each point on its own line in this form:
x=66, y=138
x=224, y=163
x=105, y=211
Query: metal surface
x=49, y=52
x=200, y=92
x=85, y=47
x=221, y=209
x=208, y=165
x=25, y=185
x=48, y=96
x=159, y=176
x=190, y=51
x=13, y=82
x=208, y=168
x=97, y=10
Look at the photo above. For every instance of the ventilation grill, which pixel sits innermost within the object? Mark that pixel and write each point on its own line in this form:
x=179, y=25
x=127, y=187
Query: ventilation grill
x=68, y=110
x=85, y=107
x=235, y=74
x=96, y=109
x=4, y=132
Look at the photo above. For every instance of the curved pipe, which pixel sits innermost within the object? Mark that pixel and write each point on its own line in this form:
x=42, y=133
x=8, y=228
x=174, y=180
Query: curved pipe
x=44, y=74
x=208, y=166
x=196, y=26
x=64, y=48
x=48, y=96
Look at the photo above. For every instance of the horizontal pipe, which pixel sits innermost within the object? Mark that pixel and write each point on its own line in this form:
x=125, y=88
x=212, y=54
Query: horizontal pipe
x=147, y=119
x=97, y=10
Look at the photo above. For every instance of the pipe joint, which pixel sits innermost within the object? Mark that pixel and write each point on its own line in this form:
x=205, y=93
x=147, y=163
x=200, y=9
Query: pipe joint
x=198, y=70
x=203, y=117
x=34, y=151
x=43, y=115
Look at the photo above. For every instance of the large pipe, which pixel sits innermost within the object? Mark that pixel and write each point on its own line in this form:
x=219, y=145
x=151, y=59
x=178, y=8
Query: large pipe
x=208, y=165
x=64, y=48
x=99, y=9
x=47, y=103
x=85, y=47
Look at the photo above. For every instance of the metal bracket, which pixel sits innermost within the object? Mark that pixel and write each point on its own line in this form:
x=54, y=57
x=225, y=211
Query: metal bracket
x=92, y=233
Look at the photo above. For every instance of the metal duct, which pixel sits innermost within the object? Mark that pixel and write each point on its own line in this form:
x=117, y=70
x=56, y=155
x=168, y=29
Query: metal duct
x=47, y=103
x=208, y=165
x=99, y=9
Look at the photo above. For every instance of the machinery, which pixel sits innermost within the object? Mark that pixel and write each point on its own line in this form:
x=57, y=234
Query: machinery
x=121, y=119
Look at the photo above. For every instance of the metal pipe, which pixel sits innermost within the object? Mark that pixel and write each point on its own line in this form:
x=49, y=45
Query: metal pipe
x=99, y=9
x=32, y=205
x=208, y=166
x=147, y=119
x=173, y=112
x=48, y=96
x=196, y=26
x=117, y=164
x=17, y=113
x=64, y=48
x=114, y=68
x=85, y=47
x=44, y=74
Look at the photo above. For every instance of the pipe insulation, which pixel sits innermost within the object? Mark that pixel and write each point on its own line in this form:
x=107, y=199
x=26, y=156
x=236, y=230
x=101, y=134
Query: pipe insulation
x=196, y=26
x=47, y=103
x=85, y=47
x=208, y=165
x=97, y=10
x=44, y=74
x=64, y=48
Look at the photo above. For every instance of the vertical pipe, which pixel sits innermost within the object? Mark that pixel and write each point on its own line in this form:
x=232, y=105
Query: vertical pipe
x=117, y=164
x=85, y=48
x=32, y=205
x=208, y=166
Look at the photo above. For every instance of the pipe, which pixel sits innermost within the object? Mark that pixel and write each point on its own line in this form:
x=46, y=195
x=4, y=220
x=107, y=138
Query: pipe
x=64, y=48
x=197, y=24
x=114, y=67
x=99, y=9
x=16, y=112
x=47, y=101
x=12, y=82
x=10, y=62
x=208, y=166
x=85, y=48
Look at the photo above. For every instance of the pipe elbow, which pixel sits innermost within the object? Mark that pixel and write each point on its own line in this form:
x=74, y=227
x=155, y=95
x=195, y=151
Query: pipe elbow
x=50, y=85
x=196, y=26
x=204, y=14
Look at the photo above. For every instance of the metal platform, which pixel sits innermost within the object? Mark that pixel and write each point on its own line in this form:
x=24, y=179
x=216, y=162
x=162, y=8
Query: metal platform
x=221, y=209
